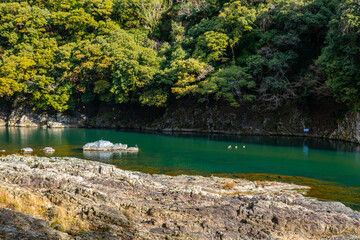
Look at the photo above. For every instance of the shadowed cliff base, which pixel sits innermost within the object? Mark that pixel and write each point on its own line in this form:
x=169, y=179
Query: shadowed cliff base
x=323, y=117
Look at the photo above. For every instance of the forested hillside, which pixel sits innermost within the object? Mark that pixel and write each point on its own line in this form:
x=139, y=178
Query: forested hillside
x=58, y=55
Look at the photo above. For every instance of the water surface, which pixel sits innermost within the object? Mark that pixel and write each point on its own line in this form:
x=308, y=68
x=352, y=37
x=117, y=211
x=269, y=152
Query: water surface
x=331, y=167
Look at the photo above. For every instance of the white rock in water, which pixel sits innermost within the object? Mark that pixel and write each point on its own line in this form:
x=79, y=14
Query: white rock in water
x=100, y=145
x=117, y=146
x=27, y=150
x=132, y=149
x=48, y=150
x=103, y=145
x=120, y=146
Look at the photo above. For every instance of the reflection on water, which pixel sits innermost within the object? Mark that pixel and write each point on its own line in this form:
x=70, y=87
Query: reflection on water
x=20, y=135
x=306, y=149
x=24, y=136
x=105, y=155
x=56, y=134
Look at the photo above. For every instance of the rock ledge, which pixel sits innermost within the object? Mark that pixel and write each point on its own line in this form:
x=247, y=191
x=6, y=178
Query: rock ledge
x=132, y=205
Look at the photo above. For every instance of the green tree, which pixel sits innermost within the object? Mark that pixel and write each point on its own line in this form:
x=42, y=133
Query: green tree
x=232, y=84
x=188, y=74
x=211, y=47
x=340, y=58
x=237, y=19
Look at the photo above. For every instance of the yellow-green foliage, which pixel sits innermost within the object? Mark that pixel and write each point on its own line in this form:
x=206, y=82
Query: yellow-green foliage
x=188, y=73
x=56, y=55
x=62, y=217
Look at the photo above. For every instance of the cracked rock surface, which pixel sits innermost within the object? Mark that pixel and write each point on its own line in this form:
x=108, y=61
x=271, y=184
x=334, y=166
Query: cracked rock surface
x=123, y=204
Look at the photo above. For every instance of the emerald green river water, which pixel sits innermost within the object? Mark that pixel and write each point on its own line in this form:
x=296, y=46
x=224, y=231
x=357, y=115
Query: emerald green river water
x=331, y=168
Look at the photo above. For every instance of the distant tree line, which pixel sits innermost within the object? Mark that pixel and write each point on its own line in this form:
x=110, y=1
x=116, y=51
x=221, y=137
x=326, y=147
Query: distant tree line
x=59, y=54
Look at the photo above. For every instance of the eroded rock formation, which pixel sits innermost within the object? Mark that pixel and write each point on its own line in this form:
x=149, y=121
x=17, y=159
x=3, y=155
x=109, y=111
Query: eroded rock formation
x=122, y=204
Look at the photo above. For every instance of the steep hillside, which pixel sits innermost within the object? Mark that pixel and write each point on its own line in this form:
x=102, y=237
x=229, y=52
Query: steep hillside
x=61, y=55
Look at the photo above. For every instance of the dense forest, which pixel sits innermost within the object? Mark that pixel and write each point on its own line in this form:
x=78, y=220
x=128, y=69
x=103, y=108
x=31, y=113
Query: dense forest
x=61, y=54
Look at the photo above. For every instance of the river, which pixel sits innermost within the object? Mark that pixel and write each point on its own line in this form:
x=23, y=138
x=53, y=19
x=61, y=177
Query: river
x=332, y=168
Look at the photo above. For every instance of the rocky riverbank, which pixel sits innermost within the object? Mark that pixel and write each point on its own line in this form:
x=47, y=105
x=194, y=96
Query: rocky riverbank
x=90, y=200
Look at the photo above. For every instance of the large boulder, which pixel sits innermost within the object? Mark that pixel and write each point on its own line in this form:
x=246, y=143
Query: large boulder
x=27, y=150
x=100, y=145
x=103, y=145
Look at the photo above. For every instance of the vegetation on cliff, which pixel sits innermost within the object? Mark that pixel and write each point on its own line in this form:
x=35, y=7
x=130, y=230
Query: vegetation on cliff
x=58, y=55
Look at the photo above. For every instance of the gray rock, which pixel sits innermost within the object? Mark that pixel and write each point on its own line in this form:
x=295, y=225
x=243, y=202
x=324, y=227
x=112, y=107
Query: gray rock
x=27, y=150
x=131, y=205
x=15, y=225
x=48, y=150
x=26, y=117
x=120, y=146
x=132, y=149
x=103, y=145
x=349, y=128
x=100, y=145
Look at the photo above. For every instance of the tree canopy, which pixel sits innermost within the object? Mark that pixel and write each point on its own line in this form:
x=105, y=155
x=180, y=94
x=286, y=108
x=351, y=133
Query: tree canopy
x=56, y=55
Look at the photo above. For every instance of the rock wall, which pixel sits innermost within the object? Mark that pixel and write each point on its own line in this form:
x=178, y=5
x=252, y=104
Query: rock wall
x=25, y=117
x=349, y=128
x=322, y=119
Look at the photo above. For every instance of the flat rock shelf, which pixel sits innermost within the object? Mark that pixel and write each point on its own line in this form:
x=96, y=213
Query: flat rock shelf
x=119, y=204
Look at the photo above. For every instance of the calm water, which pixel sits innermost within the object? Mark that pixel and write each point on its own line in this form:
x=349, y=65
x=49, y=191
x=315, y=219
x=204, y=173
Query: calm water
x=332, y=167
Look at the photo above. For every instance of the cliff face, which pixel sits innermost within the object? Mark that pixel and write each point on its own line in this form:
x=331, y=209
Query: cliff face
x=26, y=117
x=327, y=120
x=118, y=204
x=349, y=128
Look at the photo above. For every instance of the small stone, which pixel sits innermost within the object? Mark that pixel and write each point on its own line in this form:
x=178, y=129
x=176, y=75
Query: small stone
x=48, y=150
x=133, y=149
x=27, y=150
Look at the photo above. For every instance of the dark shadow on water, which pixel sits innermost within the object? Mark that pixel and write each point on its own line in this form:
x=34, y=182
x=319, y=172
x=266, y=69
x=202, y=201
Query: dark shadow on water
x=286, y=141
x=77, y=150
